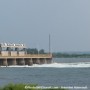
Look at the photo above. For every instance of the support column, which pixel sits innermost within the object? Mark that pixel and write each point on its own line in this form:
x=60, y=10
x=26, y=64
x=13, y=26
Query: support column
x=49, y=61
x=30, y=62
x=45, y=60
x=5, y=62
x=38, y=61
x=14, y=61
x=22, y=61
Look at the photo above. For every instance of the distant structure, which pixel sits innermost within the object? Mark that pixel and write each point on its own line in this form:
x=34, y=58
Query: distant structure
x=16, y=54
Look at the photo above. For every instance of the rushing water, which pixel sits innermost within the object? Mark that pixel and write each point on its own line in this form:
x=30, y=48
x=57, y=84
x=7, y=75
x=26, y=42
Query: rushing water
x=66, y=72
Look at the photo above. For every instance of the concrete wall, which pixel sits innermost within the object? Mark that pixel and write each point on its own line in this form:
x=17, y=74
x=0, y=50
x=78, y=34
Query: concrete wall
x=21, y=53
x=13, y=53
x=4, y=53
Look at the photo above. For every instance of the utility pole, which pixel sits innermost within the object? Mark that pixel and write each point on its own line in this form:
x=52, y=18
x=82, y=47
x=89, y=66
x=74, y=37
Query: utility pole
x=49, y=44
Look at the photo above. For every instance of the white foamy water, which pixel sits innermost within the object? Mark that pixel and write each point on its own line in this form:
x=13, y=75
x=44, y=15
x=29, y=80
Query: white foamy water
x=59, y=65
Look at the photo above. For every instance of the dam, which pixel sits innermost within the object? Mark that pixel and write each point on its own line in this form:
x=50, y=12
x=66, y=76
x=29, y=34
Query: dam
x=16, y=54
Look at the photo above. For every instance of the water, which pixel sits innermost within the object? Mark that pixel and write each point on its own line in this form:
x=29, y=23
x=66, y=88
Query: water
x=67, y=72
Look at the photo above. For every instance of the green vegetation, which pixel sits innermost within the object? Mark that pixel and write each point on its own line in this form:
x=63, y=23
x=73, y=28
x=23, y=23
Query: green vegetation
x=24, y=87
x=59, y=54
x=72, y=55
x=35, y=51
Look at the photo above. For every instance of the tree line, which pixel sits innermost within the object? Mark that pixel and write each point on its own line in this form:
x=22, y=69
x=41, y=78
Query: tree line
x=67, y=55
x=35, y=51
x=57, y=54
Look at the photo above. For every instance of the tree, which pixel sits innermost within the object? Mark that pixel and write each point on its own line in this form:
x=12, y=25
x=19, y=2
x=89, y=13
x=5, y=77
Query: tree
x=35, y=51
x=41, y=51
x=32, y=51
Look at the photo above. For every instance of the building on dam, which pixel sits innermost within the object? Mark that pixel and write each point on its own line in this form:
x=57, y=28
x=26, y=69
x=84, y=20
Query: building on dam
x=16, y=54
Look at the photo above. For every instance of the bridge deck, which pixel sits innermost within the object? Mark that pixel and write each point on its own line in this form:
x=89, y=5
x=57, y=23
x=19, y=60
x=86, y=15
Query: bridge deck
x=28, y=56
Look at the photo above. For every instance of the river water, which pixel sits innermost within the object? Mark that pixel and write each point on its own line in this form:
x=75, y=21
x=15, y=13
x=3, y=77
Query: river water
x=64, y=72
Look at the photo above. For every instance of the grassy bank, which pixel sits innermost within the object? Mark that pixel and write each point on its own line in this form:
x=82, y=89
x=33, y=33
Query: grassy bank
x=25, y=87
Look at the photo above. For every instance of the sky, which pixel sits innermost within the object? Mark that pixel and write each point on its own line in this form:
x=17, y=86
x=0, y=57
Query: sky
x=31, y=21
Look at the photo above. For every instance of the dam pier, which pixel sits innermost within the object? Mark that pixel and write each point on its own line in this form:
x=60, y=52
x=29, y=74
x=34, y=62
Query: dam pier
x=16, y=54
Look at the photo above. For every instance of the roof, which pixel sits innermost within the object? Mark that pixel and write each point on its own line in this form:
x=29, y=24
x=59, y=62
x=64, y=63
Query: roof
x=13, y=45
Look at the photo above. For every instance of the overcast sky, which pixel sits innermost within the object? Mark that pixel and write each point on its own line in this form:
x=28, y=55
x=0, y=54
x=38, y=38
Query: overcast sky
x=31, y=22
